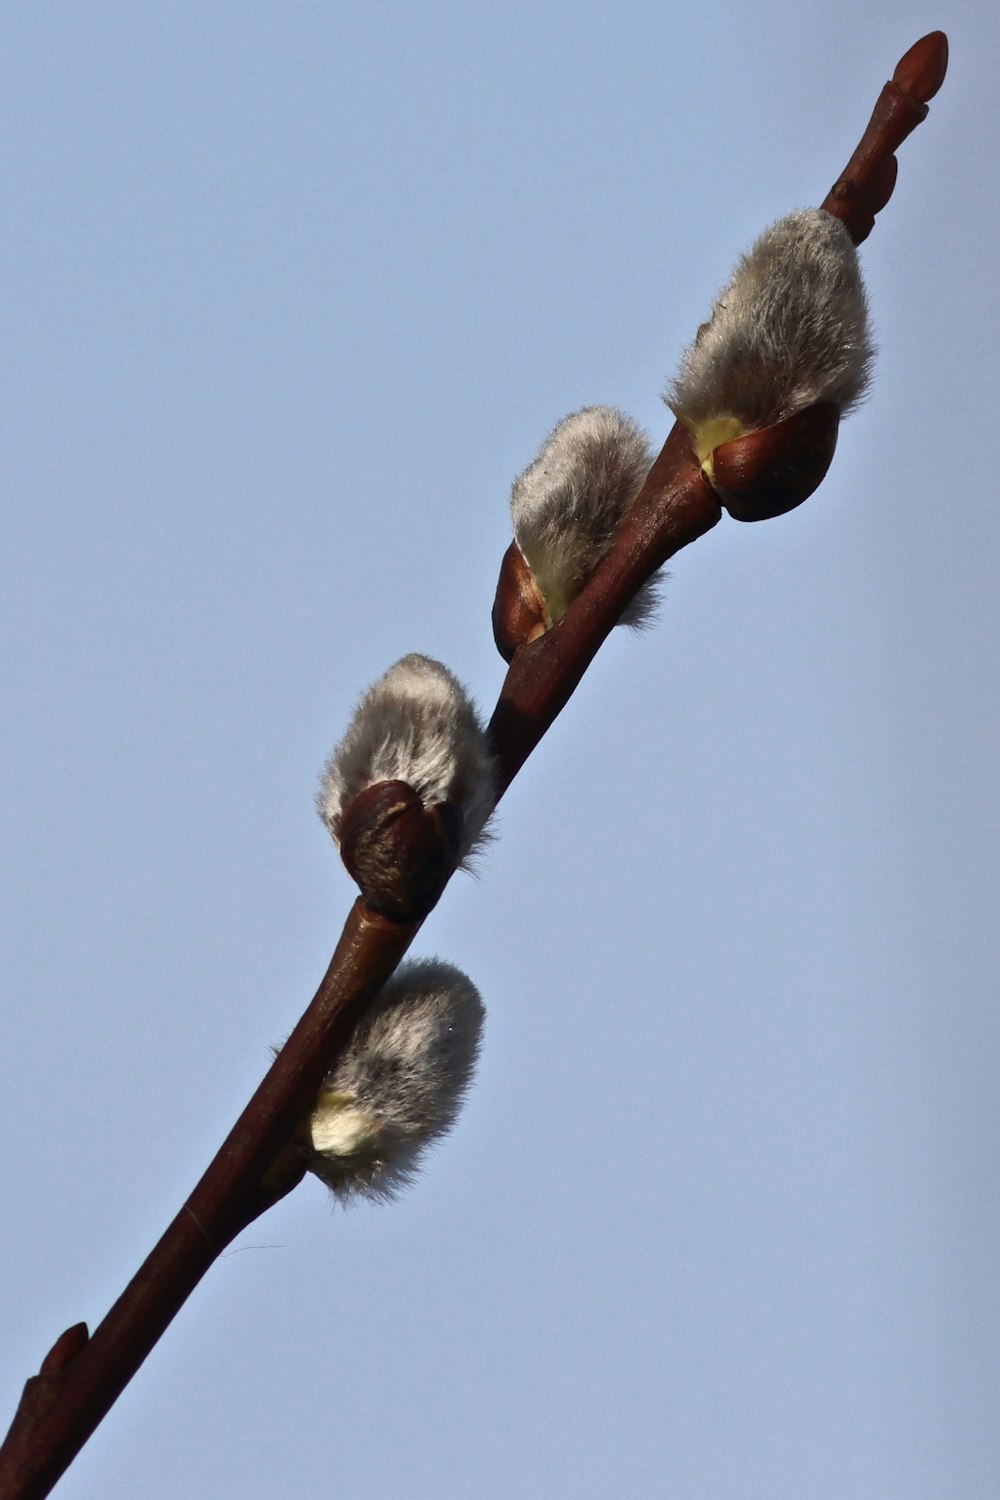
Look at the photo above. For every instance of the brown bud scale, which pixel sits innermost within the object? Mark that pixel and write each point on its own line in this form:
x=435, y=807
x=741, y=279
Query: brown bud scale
x=400, y=852
x=519, y=613
x=769, y=472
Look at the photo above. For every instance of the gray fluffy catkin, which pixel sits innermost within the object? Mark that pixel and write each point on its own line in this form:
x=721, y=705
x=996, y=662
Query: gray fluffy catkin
x=568, y=505
x=400, y=1082
x=789, y=330
x=416, y=724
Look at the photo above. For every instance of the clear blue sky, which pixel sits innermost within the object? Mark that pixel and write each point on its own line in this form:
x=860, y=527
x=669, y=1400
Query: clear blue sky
x=291, y=293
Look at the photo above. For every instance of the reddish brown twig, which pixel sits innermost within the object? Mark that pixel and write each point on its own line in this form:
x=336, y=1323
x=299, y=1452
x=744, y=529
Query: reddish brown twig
x=259, y=1163
x=866, y=183
x=264, y=1155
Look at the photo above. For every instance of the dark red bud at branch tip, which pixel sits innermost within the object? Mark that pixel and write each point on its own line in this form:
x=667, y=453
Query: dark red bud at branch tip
x=769, y=472
x=920, y=72
x=65, y=1349
x=518, y=612
x=400, y=852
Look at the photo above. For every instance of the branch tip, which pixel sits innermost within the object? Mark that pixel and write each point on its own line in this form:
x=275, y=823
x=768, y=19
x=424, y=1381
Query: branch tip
x=920, y=72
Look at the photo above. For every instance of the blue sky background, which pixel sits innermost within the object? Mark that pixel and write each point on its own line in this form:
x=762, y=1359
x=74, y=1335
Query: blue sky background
x=291, y=293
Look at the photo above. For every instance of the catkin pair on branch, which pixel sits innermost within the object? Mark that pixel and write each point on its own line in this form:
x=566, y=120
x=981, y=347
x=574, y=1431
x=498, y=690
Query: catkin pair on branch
x=786, y=352
x=407, y=795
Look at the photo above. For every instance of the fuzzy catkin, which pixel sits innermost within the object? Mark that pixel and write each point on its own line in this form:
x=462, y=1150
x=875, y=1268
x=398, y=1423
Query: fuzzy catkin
x=568, y=504
x=789, y=330
x=416, y=724
x=400, y=1083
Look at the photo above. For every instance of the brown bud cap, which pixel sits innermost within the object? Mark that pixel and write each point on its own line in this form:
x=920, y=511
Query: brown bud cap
x=519, y=613
x=768, y=472
x=400, y=852
x=920, y=72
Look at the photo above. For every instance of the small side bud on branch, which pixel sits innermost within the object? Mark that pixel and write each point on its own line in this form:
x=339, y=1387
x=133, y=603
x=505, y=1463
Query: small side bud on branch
x=399, y=1084
x=567, y=507
x=788, y=339
x=408, y=792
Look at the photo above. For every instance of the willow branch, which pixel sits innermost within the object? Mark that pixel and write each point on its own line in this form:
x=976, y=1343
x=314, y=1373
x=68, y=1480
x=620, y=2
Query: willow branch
x=265, y=1155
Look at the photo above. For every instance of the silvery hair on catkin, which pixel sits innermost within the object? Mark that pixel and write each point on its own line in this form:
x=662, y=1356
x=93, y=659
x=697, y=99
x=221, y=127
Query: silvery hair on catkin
x=400, y=1082
x=568, y=504
x=789, y=330
x=416, y=724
